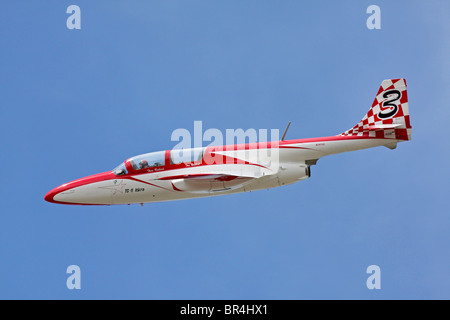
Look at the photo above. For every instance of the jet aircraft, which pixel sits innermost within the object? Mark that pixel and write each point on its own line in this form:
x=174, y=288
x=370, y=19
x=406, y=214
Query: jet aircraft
x=218, y=170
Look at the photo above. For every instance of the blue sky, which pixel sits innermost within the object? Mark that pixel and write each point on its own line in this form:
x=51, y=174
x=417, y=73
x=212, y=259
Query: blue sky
x=78, y=102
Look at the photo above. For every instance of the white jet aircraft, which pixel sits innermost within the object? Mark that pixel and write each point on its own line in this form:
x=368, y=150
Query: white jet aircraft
x=201, y=172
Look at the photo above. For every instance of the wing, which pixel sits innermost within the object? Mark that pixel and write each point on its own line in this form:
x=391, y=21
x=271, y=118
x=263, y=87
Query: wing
x=207, y=183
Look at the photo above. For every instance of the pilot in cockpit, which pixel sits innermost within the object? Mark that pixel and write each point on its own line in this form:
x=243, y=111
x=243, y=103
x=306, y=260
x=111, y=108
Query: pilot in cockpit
x=143, y=164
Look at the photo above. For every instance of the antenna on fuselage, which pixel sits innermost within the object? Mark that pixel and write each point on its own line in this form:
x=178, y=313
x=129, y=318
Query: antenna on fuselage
x=285, y=131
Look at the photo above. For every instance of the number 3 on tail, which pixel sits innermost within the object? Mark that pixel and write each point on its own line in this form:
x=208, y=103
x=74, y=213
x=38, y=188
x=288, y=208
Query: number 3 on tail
x=388, y=108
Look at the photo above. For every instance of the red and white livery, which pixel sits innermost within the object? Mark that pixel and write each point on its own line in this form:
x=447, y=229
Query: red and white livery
x=201, y=172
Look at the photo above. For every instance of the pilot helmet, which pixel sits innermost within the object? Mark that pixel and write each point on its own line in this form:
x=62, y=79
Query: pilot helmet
x=143, y=163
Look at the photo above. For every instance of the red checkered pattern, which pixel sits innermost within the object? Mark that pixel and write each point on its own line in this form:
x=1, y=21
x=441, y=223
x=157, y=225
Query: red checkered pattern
x=395, y=127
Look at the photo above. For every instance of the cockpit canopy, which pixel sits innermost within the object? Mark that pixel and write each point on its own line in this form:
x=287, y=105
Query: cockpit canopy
x=158, y=159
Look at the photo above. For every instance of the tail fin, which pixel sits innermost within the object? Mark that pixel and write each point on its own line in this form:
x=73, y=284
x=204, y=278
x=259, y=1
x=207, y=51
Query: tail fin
x=388, y=118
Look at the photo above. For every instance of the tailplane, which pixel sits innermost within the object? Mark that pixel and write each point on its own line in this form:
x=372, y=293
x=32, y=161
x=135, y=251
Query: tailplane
x=388, y=118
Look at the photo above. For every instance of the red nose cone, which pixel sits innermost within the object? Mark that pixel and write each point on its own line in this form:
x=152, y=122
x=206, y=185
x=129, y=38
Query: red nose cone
x=77, y=183
x=49, y=196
